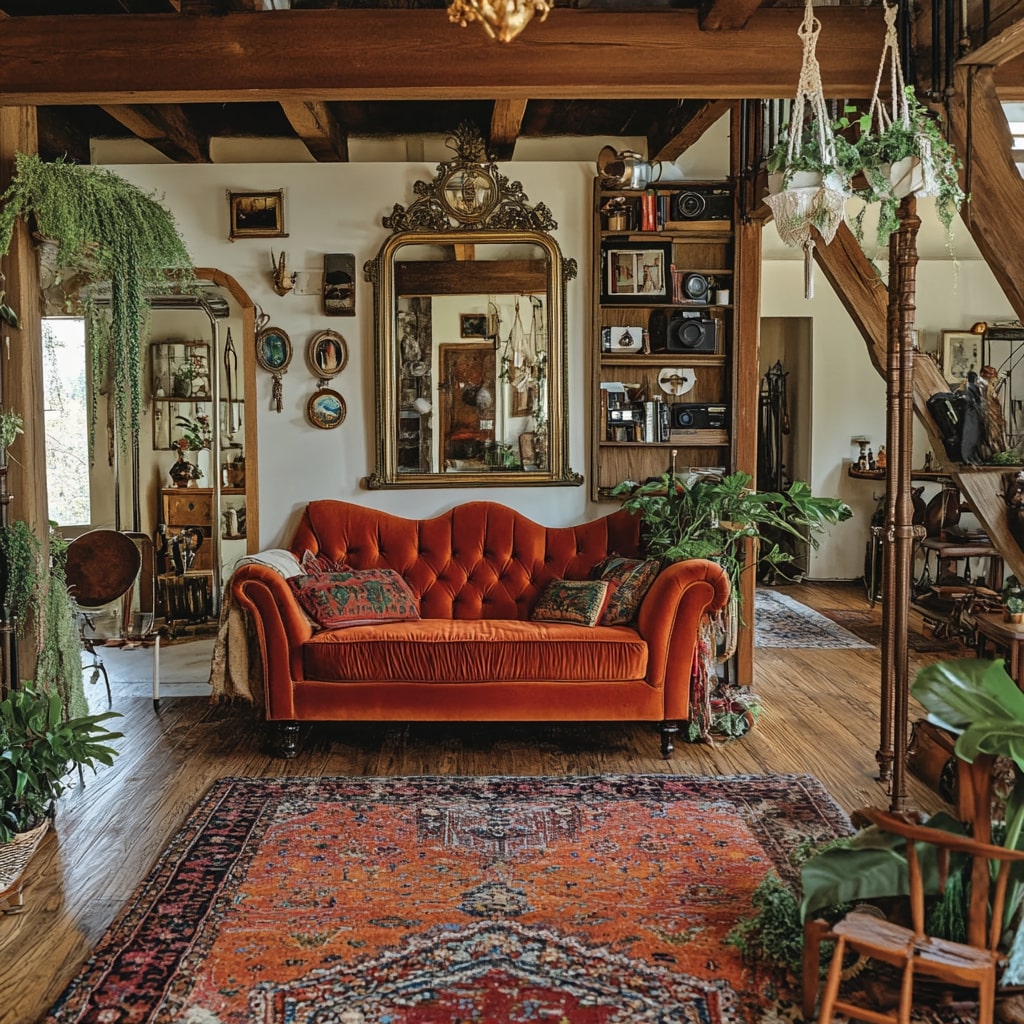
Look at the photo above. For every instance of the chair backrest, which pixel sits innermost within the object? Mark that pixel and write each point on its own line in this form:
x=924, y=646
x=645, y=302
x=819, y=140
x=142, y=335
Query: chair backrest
x=101, y=567
x=985, y=911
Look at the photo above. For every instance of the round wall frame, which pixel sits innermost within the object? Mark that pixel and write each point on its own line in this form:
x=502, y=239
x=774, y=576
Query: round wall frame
x=273, y=350
x=326, y=409
x=327, y=354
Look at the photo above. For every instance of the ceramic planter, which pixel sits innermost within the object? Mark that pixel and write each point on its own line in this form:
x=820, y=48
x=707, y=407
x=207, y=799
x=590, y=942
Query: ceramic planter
x=905, y=176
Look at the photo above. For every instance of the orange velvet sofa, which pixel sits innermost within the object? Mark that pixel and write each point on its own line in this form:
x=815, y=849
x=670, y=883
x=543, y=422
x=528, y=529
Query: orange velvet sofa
x=475, y=655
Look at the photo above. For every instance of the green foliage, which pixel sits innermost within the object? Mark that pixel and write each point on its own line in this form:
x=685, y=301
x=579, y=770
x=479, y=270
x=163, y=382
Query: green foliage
x=38, y=748
x=114, y=232
x=1014, y=605
x=773, y=934
x=20, y=569
x=710, y=517
x=11, y=425
x=809, y=156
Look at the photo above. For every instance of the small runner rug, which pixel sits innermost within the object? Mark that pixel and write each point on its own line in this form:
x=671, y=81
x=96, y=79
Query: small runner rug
x=868, y=626
x=779, y=621
x=429, y=900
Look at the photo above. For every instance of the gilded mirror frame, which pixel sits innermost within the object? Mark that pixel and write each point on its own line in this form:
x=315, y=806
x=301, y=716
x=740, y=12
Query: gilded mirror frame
x=484, y=210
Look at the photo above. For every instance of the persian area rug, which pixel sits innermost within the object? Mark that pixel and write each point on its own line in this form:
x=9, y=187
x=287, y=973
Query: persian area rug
x=868, y=626
x=577, y=900
x=779, y=621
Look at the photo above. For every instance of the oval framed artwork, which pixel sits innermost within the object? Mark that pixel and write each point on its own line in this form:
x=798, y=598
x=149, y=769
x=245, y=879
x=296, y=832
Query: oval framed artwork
x=273, y=349
x=326, y=409
x=327, y=354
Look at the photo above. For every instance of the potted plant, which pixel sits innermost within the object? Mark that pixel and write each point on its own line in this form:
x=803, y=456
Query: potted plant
x=909, y=154
x=39, y=747
x=707, y=516
x=120, y=235
x=1013, y=609
x=977, y=700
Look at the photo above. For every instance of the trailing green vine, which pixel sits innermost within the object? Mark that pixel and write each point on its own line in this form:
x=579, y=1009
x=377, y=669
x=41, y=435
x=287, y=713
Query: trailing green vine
x=20, y=569
x=109, y=231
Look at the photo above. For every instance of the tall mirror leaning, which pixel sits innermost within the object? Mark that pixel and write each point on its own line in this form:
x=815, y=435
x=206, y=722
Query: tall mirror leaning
x=470, y=364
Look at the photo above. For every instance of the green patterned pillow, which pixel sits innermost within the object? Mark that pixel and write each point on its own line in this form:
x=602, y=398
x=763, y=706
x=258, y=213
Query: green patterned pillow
x=633, y=578
x=579, y=602
x=336, y=599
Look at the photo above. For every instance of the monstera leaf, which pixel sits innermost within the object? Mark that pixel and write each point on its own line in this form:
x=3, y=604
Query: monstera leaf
x=978, y=699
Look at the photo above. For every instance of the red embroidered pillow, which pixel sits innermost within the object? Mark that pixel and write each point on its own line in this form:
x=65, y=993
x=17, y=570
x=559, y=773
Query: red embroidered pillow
x=338, y=599
x=633, y=578
x=580, y=602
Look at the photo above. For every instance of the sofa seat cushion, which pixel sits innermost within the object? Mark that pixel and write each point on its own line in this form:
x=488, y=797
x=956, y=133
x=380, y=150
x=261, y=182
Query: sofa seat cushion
x=469, y=651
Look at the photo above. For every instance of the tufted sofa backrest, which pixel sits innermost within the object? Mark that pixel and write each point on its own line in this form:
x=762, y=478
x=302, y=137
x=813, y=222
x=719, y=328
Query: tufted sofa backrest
x=480, y=560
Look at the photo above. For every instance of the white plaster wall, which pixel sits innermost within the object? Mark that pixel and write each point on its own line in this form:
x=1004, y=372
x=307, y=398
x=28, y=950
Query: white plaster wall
x=338, y=208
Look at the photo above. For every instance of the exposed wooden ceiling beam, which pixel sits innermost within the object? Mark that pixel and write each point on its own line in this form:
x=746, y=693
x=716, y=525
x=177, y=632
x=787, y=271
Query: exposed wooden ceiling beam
x=716, y=15
x=506, y=120
x=319, y=129
x=1001, y=48
x=166, y=128
x=688, y=123
x=416, y=54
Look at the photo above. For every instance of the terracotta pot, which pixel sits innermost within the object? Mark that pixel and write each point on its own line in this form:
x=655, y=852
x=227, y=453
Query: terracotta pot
x=1015, y=617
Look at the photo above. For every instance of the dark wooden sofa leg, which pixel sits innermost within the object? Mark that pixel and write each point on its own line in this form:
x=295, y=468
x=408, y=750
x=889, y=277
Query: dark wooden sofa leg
x=287, y=739
x=668, y=734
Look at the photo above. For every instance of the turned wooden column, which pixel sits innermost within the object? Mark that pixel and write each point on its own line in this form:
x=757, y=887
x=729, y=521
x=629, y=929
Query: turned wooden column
x=898, y=539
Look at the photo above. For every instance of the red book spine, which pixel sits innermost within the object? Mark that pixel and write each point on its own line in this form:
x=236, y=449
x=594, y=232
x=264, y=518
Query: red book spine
x=650, y=211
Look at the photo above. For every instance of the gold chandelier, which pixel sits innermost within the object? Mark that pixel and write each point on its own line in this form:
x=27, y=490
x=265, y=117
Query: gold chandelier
x=502, y=19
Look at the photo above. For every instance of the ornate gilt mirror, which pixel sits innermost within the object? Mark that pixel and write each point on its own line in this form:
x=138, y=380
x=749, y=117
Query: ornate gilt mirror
x=470, y=320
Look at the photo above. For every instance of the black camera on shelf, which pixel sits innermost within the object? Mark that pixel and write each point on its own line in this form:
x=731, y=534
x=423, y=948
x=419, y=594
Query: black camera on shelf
x=702, y=202
x=698, y=416
x=683, y=331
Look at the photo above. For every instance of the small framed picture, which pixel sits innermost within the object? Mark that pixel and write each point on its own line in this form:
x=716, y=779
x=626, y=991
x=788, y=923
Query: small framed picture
x=339, y=284
x=636, y=272
x=256, y=214
x=273, y=349
x=472, y=325
x=326, y=409
x=327, y=354
x=961, y=353
x=626, y=339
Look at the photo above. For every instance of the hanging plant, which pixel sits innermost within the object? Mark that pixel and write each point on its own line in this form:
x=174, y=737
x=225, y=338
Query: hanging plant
x=809, y=180
x=112, y=232
x=902, y=149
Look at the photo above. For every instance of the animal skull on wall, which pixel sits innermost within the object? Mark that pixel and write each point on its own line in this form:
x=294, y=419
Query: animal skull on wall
x=284, y=279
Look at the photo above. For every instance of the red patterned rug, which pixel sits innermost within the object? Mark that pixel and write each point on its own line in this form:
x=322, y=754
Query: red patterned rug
x=578, y=900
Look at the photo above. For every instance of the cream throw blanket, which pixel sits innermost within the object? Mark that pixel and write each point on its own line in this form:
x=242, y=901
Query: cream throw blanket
x=236, y=671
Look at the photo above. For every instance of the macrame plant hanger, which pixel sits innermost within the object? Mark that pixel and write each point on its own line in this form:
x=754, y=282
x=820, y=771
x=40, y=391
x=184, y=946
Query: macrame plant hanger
x=822, y=206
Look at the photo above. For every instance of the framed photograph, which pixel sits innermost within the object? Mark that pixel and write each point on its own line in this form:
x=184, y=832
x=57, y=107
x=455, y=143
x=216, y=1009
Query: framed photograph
x=339, y=284
x=961, y=353
x=327, y=354
x=472, y=325
x=326, y=409
x=273, y=350
x=256, y=214
x=636, y=272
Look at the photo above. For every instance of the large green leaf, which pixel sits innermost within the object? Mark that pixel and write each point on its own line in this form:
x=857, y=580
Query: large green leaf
x=961, y=692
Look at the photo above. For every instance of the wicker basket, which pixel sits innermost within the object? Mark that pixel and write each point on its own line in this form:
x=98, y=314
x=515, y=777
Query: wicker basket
x=14, y=858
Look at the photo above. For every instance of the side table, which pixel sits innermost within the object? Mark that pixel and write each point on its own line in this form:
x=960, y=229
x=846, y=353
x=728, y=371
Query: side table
x=1006, y=638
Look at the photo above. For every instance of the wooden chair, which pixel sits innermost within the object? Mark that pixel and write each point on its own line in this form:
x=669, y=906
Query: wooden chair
x=910, y=950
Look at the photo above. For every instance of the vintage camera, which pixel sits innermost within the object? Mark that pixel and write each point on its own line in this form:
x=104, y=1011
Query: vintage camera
x=698, y=416
x=702, y=202
x=691, y=332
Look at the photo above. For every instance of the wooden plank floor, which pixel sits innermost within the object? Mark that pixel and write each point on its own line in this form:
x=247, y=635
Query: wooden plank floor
x=820, y=717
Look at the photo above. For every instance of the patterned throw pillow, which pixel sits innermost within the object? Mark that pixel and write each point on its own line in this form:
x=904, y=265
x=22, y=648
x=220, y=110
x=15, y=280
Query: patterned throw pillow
x=338, y=599
x=318, y=565
x=580, y=602
x=633, y=578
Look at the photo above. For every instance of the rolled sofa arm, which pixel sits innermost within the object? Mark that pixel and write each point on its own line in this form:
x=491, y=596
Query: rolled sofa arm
x=669, y=620
x=281, y=629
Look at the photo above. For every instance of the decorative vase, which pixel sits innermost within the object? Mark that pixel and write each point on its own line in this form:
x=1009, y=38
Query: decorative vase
x=181, y=472
x=14, y=859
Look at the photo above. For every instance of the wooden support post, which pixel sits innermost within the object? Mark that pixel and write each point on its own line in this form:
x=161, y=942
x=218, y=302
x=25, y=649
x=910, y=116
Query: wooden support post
x=898, y=537
x=22, y=354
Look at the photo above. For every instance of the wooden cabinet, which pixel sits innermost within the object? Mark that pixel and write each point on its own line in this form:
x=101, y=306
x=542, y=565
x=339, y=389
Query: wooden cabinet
x=186, y=507
x=663, y=331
